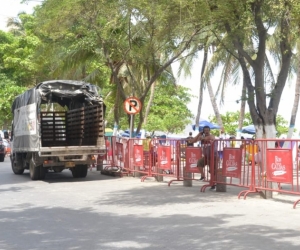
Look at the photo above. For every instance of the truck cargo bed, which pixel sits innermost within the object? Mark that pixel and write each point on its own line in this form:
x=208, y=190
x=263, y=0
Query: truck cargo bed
x=78, y=127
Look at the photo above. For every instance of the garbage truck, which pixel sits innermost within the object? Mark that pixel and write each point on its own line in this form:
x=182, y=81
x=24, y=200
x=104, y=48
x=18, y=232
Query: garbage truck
x=57, y=125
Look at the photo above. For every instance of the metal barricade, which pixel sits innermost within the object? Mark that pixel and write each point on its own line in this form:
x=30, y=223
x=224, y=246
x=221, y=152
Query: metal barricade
x=145, y=157
x=188, y=169
x=164, y=159
x=231, y=166
x=266, y=165
x=106, y=161
x=278, y=167
x=255, y=165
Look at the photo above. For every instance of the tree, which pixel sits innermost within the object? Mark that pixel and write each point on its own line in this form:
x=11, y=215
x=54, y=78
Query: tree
x=242, y=21
x=18, y=53
x=168, y=111
x=137, y=43
x=231, y=123
x=296, y=98
x=8, y=92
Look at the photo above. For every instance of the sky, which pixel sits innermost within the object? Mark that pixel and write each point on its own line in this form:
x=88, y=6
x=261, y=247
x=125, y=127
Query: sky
x=11, y=8
x=233, y=94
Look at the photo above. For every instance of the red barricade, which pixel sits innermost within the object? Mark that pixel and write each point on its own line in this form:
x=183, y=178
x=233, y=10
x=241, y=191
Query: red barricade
x=278, y=168
x=192, y=155
x=164, y=159
x=188, y=165
x=107, y=159
x=258, y=166
x=149, y=158
x=255, y=165
x=187, y=162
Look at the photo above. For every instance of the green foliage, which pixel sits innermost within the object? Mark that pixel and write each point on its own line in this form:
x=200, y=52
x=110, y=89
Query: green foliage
x=230, y=121
x=168, y=112
x=125, y=46
x=8, y=92
x=17, y=52
x=281, y=126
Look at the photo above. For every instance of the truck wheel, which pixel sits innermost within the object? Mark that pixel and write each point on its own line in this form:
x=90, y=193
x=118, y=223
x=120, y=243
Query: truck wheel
x=83, y=171
x=2, y=157
x=16, y=168
x=43, y=172
x=36, y=172
x=80, y=171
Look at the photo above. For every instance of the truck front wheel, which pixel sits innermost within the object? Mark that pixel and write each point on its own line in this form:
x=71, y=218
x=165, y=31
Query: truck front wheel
x=79, y=171
x=36, y=172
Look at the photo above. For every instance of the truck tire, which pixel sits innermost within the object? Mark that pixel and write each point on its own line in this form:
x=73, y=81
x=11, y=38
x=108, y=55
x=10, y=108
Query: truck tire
x=79, y=171
x=2, y=156
x=43, y=172
x=36, y=172
x=83, y=171
x=16, y=166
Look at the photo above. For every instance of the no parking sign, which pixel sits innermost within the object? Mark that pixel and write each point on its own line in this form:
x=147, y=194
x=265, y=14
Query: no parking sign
x=132, y=105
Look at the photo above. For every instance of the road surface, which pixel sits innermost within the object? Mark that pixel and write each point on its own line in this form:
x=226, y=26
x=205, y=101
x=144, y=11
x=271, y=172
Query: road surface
x=102, y=212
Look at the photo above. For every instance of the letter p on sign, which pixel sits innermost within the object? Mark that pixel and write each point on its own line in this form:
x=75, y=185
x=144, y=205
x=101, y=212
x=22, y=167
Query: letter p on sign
x=132, y=105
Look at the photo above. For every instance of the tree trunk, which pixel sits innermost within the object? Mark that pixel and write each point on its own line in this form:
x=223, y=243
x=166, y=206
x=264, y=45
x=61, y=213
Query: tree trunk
x=242, y=109
x=116, y=107
x=200, y=101
x=151, y=98
x=214, y=104
x=295, y=106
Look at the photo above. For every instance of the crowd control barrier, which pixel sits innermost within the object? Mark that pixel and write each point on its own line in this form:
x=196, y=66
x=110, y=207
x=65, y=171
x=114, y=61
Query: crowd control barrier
x=188, y=164
x=235, y=167
x=106, y=161
x=256, y=166
x=164, y=158
x=260, y=165
x=278, y=168
x=146, y=157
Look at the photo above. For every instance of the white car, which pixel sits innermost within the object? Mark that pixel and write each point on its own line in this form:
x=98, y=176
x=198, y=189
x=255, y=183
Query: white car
x=6, y=143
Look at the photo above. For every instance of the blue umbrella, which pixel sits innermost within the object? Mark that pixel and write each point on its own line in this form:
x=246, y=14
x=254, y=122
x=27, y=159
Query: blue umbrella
x=126, y=133
x=203, y=123
x=250, y=129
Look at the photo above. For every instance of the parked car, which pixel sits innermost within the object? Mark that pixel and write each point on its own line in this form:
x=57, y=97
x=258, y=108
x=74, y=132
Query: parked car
x=6, y=143
x=2, y=150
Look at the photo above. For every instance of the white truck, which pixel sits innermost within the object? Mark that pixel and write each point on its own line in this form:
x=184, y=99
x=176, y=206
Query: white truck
x=57, y=125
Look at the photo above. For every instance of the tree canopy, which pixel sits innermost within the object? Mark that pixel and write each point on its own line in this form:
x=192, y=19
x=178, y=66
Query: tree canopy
x=127, y=48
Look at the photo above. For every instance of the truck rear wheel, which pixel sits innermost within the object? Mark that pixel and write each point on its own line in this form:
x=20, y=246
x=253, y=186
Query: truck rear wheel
x=36, y=172
x=79, y=171
x=16, y=165
x=2, y=156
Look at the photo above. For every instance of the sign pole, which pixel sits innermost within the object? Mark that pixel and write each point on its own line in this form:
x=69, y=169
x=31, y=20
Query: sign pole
x=131, y=126
x=132, y=105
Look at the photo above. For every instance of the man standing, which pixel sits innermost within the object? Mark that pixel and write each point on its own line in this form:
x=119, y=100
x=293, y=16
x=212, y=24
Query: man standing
x=189, y=144
x=210, y=155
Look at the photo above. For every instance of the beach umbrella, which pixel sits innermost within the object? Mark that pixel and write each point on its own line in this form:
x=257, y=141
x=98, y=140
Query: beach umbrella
x=250, y=129
x=203, y=123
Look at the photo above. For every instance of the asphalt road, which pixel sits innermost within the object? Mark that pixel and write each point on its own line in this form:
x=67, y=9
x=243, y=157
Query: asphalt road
x=102, y=212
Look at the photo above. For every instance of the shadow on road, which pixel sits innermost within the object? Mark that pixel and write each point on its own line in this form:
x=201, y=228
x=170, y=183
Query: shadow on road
x=60, y=228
